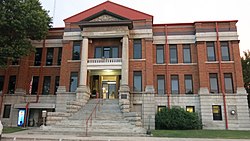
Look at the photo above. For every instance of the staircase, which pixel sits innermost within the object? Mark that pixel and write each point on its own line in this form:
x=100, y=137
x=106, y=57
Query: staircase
x=109, y=121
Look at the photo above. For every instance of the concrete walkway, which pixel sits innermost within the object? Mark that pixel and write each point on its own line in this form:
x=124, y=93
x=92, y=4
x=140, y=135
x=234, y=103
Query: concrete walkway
x=24, y=136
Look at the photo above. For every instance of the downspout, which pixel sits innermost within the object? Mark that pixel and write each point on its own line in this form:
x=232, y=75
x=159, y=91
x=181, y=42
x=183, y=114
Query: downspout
x=220, y=75
x=166, y=66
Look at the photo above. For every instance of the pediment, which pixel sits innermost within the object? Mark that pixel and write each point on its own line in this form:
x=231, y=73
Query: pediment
x=104, y=16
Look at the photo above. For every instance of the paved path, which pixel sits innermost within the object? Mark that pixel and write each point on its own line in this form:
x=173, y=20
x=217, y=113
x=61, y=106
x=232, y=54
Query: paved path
x=24, y=136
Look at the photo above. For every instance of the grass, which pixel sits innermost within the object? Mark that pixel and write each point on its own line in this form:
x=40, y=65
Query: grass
x=7, y=130
x=223, y=134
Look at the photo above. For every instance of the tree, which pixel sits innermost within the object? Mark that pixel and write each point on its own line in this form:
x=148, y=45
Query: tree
x=20, y=22
x=245, y=61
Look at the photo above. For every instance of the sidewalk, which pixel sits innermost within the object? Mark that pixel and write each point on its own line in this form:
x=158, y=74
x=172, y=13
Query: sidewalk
x=24, y=136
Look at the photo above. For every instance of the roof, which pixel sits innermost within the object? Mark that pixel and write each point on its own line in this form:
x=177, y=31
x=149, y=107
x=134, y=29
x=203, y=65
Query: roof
x=112, y=7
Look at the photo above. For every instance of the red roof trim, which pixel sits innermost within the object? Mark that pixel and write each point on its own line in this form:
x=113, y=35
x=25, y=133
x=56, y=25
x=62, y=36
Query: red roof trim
x=107, y=2
x=216, y=21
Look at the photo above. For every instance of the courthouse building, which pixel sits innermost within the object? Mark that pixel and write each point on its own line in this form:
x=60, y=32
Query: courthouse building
x=114, y=52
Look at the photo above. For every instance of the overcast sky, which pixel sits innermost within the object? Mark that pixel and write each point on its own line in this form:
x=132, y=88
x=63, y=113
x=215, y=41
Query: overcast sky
x=167, y=11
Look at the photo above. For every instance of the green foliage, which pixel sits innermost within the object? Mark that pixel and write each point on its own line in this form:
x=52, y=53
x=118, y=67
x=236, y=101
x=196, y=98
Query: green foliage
x=245, y=61
x=177, y=119
x=20, y=22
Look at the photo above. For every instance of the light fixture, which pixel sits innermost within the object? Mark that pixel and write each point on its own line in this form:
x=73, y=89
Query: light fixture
x=233, y=112
x=108, y=70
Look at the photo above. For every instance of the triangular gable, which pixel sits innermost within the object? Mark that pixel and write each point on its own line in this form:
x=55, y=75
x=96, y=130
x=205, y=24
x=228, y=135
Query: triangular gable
x=111, y=7
x=104, y=16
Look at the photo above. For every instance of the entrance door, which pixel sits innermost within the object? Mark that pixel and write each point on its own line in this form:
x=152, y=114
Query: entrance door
x=109, y=90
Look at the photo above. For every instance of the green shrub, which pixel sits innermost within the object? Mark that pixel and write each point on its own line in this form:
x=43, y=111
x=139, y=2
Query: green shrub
x=177, y=119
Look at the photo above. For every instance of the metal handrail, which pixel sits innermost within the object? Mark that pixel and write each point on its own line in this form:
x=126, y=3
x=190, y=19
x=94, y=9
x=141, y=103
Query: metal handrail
x=90, y=116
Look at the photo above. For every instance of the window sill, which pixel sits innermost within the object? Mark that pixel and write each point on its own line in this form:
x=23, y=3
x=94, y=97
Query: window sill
x=137, y=59
x=191, y=64
x=216, y=62
x=73, y=61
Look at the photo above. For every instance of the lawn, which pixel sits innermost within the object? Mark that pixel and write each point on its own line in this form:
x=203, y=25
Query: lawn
x=224, y=134
x=7, y=130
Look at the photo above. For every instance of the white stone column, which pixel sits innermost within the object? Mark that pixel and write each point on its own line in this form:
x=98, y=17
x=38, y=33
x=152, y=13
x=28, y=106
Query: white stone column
x=125, y=60
x=124, y=96
x=83, y=92
x=84, y=61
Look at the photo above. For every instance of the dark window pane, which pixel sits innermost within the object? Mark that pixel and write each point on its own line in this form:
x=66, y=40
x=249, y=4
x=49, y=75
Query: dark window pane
x=46, y=85
x=228, y=83
x=217, y=112
x=76, y=51
x=115, y=52
x=106, y=52
x=160, y=108
x=12, y=84
x=161, y=84
x=59, y=57
x=187, y=54
x=49, y=56
x=73, y=81
x=213, y=83
x=35, y=83
x=38, y=56
x=137, y=49
x=173, y=54
x=15, y=61
x=210, y=51
x=188, y=84
x=190, y=109
x=57, y=79
x=98, y=52
x=174, y=84
x=159, y=54
x=1, y=83
x=6, y=111
x=225, y=51
x=137, y=81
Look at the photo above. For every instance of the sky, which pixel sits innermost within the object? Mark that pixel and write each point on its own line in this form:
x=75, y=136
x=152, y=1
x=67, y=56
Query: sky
x=166, y=11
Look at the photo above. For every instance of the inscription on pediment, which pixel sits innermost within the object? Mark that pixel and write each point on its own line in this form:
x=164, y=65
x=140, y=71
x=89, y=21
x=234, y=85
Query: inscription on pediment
x=104, y=17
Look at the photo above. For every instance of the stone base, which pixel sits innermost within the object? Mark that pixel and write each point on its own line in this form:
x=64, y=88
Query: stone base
x=20, y=91
x=124, y=97
x=241, y=90
x=82, y=94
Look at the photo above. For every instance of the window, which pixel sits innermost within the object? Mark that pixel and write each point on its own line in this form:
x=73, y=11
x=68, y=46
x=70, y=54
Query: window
x=228, y=83
x=188, y=84
x=73, y=81
x=187, y=54
x=190, y=109
x=217, y=112
x=46, y=85
x=213, y=83
x=137, y=49
x=6, y=111
x=224, y=51
x=161, y=84
x=76, y=50
x=38, y=56
x=210, y=51
x=1, y=83
x=57, y=79
x=59, y=57
x=160, y=108
x=174, y=84
x=49, y=56
x=137, y=81
x=106, y=52
x=12, y=84
x=173, y=54
x=35, y=83
x=159, y=54
x=15, y=61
